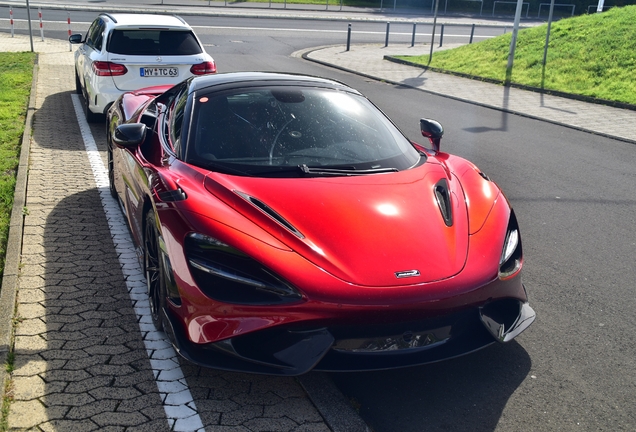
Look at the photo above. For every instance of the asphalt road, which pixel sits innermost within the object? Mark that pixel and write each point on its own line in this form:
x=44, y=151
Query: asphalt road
x=575, y=196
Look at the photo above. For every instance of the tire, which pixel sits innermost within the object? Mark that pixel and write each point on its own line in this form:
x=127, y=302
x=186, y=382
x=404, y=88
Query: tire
x=91, y=117
x=111, y=172
x=78, y=84
x=154, y=271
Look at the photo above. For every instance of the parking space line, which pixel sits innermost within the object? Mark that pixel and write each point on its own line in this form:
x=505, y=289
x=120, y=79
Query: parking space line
x=176, y=398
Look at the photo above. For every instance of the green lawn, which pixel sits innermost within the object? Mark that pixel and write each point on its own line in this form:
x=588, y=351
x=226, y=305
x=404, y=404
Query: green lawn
x=592, y=55
x=16, y=71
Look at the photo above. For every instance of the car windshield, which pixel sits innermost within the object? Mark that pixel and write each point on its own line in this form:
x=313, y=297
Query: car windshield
x=294, y=131
x=153, y=42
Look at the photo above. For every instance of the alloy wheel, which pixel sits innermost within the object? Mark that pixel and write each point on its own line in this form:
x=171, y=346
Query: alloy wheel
x=153, y=270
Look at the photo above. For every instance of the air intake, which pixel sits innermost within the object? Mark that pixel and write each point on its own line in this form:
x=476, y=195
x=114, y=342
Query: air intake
x=442, y=195
x=270, y=212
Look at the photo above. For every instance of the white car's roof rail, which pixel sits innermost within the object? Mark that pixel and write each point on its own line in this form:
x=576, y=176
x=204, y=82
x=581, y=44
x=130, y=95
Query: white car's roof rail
x=112, y=18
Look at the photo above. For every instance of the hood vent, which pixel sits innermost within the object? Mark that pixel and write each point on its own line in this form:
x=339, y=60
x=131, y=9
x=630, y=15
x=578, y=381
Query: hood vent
x=270, y=212
x=442, y=195
x=173, y=195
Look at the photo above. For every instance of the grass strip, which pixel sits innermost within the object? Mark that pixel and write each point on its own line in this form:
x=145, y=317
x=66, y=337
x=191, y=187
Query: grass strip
x=591, y=55
x=16, y=70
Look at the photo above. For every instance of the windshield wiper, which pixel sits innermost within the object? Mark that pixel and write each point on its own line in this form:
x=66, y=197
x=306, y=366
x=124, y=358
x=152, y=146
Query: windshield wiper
x=294, y=170
x=347, y=171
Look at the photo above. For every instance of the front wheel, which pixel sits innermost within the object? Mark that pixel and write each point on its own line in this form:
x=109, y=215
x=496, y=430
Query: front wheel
x=111, y=174
x=153, y=268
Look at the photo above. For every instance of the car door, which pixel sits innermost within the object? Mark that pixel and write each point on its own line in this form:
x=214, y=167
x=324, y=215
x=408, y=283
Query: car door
x=90, y=51
x=81, y=54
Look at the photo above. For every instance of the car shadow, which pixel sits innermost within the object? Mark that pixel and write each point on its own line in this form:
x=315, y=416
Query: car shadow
x=80, y=362
x=50, y=134
x=467, y=393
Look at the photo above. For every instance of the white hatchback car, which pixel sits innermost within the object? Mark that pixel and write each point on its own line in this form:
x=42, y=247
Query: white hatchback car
x=124, y=52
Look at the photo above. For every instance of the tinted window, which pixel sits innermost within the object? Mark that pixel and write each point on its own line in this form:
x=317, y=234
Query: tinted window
x=261, y=130
x=176, y=120
x=95, y=34
x=153, y=42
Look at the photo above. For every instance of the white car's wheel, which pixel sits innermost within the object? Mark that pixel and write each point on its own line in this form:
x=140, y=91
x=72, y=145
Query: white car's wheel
x=78, y=84
x=91, y=117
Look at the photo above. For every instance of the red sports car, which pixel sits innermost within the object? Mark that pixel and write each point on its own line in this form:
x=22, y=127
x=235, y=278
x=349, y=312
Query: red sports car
x=285, y=224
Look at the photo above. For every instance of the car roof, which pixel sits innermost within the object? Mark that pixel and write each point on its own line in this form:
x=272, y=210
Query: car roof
x=256, y=78
x=146, y=20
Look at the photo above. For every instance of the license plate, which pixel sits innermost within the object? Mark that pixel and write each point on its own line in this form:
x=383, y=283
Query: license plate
x=158, y=72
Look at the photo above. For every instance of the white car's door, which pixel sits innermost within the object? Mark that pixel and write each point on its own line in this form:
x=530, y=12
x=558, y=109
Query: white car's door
x=91, y=51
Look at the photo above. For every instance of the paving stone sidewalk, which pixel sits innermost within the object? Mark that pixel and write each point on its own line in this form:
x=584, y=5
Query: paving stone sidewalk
x=80, y=362
x=77, y=364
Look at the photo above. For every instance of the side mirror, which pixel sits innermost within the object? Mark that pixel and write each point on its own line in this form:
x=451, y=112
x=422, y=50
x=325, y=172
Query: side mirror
x=432, y=130
x=129, y=135
x=75, y=38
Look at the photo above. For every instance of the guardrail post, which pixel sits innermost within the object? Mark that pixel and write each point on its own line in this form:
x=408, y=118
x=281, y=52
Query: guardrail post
x=349, y=37
x=11, y=19
x=68, y=20
x=441, y=36
x=41, y=28
x=386, y=40
x=472, y=33
x=413, y=37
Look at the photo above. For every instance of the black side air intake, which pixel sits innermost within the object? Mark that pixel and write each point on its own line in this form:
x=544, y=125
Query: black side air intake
x=270, y=212
x=442, y=195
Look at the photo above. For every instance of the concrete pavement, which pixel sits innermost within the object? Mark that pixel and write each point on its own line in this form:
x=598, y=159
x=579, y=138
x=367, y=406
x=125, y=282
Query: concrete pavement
x=77, y=364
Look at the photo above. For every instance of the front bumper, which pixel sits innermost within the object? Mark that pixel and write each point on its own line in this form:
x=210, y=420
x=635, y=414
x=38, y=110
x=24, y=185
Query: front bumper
x=293, y=350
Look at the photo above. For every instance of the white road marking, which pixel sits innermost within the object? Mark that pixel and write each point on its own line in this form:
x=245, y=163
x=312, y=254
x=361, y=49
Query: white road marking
x=175, y=395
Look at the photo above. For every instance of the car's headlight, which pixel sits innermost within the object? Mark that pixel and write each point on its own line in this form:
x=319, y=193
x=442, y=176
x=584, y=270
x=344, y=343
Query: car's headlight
x=512, y=253
x=228, y=275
